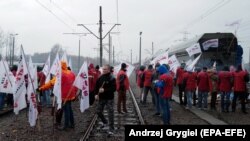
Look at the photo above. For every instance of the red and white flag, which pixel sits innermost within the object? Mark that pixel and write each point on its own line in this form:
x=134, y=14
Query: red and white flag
x=19, y=86
x=194, y=49
x=58, y=84
x=162, y=59
x=173, y=63
x=32, y=85
x=82, y=83
x=46, y=69
x=7, y=78
x=55, y=65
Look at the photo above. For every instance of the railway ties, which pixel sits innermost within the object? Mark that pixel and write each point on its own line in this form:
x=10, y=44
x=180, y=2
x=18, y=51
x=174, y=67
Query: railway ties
x=132, y=117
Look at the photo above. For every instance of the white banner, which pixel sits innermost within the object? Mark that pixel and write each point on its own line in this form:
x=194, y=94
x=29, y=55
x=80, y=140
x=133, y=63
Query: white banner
x=19, y=87
x=82, y=83
x=194, y=49
x=162, y=59
x=46, y=67
x=32, y=85
x=33, y=113
x=5, y=84
x=55, y=65
x=214, y=43
x=173, y=63
x=57, y=87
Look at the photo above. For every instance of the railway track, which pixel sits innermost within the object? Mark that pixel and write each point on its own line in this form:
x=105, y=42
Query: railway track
x=133, y=117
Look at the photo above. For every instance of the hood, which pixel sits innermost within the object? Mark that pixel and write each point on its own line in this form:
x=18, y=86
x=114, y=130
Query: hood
x=64, y=65
x=91, y=66
x=162, y=69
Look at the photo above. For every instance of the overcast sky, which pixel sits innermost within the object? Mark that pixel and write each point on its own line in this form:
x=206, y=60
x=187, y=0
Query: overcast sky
x=161, y=21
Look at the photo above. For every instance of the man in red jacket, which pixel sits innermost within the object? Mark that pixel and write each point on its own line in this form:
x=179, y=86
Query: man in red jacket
x=68, y=94
x=147, y=83
x=122, y=85
x=225, y=87
x=179, y=76
x=93, y=76
x=240, y=78
x=203, y=88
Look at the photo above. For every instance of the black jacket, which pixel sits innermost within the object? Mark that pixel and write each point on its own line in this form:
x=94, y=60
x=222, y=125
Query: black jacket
x=109, y=86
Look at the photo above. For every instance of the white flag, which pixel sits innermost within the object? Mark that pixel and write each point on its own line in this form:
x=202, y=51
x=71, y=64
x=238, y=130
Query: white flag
x=32, y=80
x=194, y=62
x=7, y=78
x=19, y=86
x=194, y=49
x=57, y=87
x=162, y=58
x=173, y=63
x=64, y=57
x=33, y=113
x=46, y=67
x=32, y=85
x=55, y=65
x=82, y=83
x=214, y=43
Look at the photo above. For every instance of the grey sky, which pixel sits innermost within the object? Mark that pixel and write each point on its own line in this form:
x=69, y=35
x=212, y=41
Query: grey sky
x=161, y=21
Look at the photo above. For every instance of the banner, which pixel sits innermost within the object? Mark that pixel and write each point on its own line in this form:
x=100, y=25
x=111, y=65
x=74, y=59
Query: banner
x=55, y=65
x=173, y=63
x=194, y=49
x=214, y=43
x=7, y=78
x=32, y=85
x=82, y=83
x=162, y=59
x=57, y=87
x=19, y=86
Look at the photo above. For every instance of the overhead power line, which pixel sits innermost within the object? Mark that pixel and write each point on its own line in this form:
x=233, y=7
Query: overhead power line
x=58, y=18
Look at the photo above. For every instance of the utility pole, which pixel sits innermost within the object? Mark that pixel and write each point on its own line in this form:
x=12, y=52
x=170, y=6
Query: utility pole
x=12, y=53
x=79, y=47
x=110, y=48
x=101, y=37
x=140, y=50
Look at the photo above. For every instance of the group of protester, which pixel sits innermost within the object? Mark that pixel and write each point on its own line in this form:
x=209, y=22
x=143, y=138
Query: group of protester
x=160, y=81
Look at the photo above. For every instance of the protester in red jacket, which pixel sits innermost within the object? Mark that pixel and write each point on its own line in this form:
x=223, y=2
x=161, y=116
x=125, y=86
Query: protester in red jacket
x=68, y=94
x=240, y=78
x=122, y=85
x=225, y=88
x=189, y=83
x=93, y=76
x=203, y=88
x=179, y=79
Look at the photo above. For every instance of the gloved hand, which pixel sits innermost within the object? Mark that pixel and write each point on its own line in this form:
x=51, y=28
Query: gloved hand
x=96, y=97
x=101, y=90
